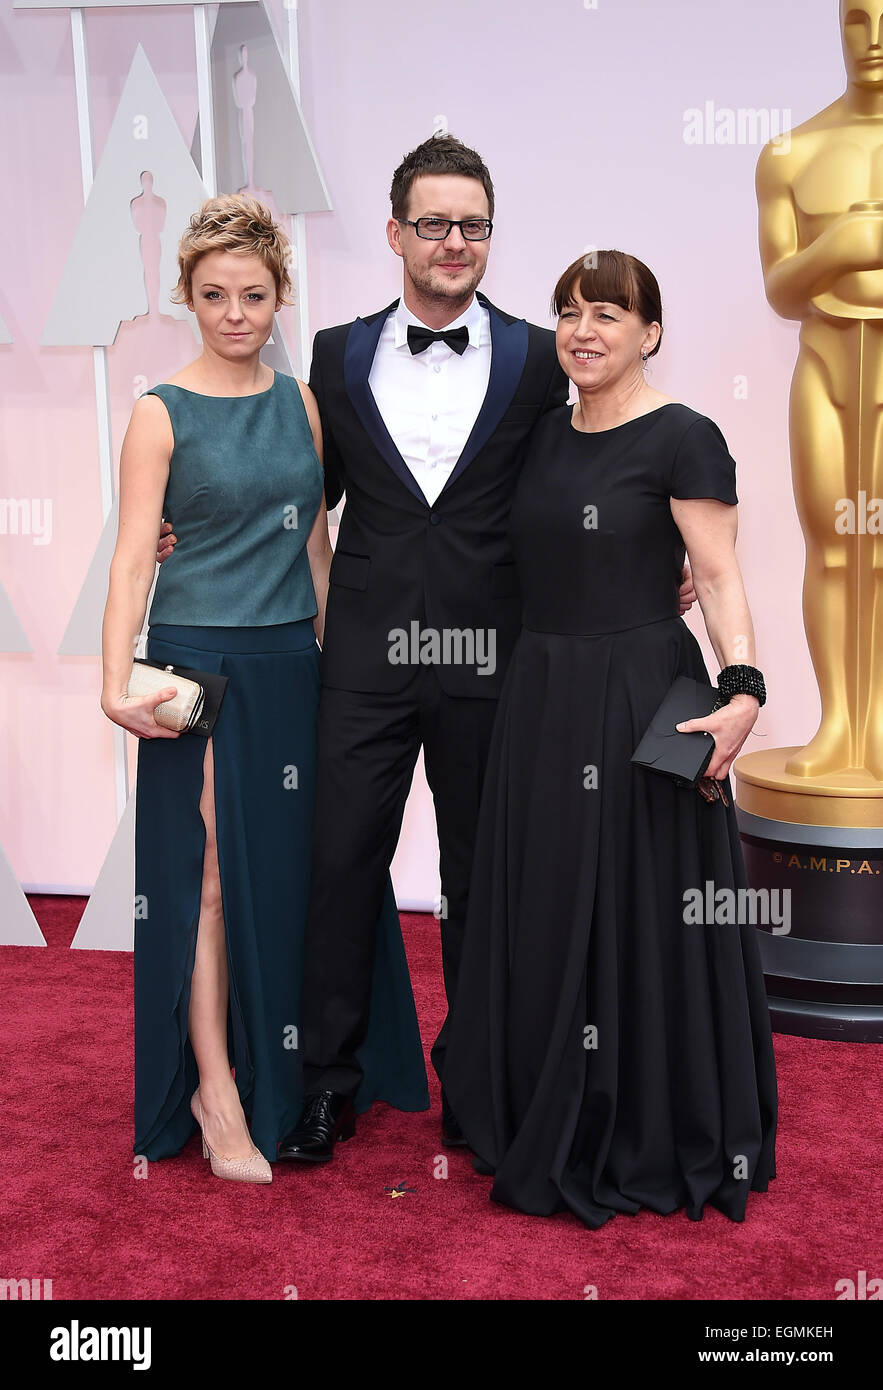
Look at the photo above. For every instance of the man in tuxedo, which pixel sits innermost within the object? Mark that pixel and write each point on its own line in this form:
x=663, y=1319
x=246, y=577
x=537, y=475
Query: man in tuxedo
x=424, y=407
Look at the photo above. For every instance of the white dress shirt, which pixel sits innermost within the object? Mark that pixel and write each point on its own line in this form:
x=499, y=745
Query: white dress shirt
x=430, y=400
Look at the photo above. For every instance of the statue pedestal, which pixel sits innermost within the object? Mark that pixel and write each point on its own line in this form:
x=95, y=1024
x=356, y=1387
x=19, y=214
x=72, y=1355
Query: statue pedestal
x=822, y=839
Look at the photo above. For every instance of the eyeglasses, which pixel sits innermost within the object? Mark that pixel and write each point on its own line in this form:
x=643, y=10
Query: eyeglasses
x=437, y=228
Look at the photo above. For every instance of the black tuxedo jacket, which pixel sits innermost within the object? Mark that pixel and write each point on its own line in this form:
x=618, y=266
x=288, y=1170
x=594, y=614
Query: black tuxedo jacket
x=398, y=560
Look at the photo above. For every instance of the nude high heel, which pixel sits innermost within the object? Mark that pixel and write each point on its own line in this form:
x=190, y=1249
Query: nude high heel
x=253, y=1169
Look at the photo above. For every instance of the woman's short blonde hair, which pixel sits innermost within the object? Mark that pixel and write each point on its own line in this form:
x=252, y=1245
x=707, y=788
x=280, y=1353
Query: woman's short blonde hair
x=238, y=223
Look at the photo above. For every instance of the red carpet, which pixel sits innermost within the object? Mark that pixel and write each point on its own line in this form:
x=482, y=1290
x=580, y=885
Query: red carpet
x=74, y=1212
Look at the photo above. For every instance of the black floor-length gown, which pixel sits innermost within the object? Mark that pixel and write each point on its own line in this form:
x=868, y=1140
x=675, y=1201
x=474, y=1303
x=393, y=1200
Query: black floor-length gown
x=604, y=1054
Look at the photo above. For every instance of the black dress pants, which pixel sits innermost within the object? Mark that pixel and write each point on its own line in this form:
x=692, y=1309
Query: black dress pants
x=367, y=748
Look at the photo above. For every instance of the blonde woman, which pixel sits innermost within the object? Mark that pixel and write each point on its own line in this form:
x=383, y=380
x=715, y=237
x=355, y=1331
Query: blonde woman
x=230, y=451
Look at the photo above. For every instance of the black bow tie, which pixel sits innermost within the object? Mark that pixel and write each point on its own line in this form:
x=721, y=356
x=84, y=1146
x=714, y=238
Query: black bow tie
x=420, y=338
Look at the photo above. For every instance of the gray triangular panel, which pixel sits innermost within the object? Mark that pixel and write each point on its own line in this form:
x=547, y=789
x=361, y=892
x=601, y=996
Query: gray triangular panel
x=275, y=351
x=82, y=636
x=284, y=160
x=13, y=637
x=108, y=924
x=18, y=925
x=103, y=279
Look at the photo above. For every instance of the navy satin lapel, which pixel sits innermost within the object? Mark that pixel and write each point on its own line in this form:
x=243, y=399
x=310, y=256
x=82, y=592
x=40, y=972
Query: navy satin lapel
x=361, y=345
x=508, y=356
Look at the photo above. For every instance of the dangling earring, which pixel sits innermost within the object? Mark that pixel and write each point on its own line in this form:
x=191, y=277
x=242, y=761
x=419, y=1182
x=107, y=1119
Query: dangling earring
x=643, y=359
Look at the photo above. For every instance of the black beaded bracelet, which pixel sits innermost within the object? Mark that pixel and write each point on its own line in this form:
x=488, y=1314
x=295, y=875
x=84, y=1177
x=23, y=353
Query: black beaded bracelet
x=741, y=680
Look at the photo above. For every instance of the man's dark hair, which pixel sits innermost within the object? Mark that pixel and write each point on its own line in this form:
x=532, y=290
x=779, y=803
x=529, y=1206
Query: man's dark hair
x=440, y=154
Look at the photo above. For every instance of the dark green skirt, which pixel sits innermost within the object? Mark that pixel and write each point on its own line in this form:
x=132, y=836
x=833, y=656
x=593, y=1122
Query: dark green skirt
x=265, y=768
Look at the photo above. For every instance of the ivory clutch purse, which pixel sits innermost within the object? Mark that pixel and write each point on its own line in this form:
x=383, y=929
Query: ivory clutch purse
x=194, y=709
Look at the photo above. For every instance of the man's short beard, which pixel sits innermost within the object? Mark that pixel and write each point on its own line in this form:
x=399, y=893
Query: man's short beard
x=444, y=294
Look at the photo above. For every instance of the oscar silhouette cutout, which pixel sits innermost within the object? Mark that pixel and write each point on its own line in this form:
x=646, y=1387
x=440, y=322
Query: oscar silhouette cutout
x=245, y=87
x=149, y=218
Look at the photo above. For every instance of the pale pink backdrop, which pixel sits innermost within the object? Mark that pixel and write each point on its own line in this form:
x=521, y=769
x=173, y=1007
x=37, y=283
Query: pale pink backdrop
x=579, y=111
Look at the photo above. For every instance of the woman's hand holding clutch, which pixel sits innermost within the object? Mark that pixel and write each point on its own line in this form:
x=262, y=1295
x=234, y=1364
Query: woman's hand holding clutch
x=134, y=713
x=729, y=726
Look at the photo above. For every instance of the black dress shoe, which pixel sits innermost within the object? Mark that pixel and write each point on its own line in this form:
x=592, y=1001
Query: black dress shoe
x=452, y=1135
x=326, y=1117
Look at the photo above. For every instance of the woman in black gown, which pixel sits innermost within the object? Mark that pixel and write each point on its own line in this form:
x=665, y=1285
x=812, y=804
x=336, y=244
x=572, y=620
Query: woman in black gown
x=606, y=1055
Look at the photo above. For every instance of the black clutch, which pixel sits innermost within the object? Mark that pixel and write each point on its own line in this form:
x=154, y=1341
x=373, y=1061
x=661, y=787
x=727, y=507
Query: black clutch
x=681, y=756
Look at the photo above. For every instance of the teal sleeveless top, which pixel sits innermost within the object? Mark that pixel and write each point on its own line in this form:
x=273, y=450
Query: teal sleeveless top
x=244, y=488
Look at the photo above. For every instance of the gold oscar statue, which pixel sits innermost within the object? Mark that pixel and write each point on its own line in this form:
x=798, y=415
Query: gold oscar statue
x=820, y=203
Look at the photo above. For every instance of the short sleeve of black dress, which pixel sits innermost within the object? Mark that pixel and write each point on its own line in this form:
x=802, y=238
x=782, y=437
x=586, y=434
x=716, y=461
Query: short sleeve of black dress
x=702, y=465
